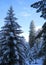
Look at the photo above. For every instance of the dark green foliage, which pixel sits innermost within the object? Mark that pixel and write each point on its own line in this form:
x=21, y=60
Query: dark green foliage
x=32, y=34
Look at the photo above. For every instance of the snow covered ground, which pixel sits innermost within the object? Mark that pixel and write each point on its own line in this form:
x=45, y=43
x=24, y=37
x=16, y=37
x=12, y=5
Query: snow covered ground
x=39, y=62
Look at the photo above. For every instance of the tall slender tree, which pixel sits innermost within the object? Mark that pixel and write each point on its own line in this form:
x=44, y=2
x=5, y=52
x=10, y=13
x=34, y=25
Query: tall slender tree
x=32, y=34
x=41, y=7
x=10, y=31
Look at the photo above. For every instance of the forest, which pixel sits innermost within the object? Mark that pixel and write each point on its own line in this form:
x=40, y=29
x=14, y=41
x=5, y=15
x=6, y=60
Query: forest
x=14, y=48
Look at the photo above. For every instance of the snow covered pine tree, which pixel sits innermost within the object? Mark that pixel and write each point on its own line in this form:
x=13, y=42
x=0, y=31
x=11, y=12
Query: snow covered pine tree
x=14, y=50
x=10, y=32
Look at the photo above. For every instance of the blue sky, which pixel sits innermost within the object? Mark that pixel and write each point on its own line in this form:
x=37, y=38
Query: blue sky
x=23, y=12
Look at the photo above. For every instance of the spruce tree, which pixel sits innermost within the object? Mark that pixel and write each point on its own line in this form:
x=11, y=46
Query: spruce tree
x=41, y=7
x=32, y=34
x=10, y=31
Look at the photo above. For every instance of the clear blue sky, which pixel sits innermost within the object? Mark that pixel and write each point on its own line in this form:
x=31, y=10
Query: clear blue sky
x=23, y=11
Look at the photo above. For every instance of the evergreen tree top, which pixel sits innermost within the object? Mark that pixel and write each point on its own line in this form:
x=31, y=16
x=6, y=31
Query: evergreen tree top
x=10, y=23
x=32, y=26
x=10, y=14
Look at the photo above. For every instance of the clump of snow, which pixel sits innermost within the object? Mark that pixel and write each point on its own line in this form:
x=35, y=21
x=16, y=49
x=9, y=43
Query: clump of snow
x=7, y=51
x=1, y=59
x=27, y=62
x=9, y=23
x=17, y=56
x=14, y=41
x=11, y=34
x=38, y=62
x=7, y=37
